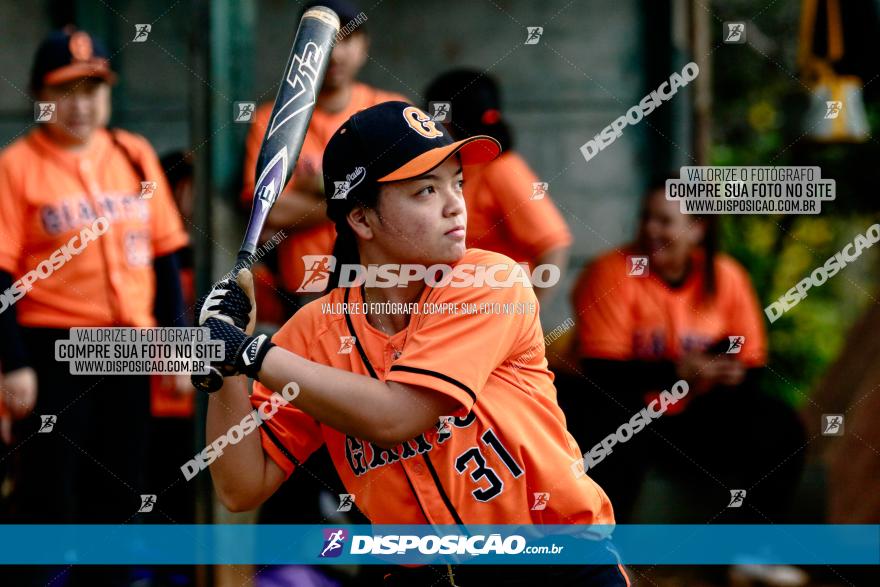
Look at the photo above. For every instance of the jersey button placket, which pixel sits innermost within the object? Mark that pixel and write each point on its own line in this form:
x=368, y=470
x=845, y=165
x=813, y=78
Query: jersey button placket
x=87, y=175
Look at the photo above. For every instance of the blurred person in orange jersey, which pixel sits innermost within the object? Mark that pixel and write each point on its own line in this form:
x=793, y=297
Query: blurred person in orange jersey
x=509, y=210
x=670, y=307
x=93, y=203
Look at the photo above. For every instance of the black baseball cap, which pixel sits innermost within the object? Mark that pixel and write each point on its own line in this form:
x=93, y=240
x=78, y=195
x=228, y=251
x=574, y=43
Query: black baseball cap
x=391, y=141
x=69, y=54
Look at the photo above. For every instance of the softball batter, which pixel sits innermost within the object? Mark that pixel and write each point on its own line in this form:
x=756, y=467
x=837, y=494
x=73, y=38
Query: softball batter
x=377, y=388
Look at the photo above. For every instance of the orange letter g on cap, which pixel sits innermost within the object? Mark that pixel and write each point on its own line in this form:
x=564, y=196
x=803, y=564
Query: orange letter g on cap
x=421, y=123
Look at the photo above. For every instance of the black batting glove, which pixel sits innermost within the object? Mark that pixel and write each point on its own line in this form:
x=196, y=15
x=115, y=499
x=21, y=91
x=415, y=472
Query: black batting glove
x=243, y=354
x=228, y=302
x=229, y=312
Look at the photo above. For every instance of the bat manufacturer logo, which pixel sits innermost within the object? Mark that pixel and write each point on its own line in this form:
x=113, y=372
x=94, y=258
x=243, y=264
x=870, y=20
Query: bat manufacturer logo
x=833, y=108
x=302, y=77
x=272, y=179
x=832, y=424
x=141, y=32
x=47, y=423
x=734, y=32
x=269, y=192
x=736, y=344
x=539, y=190
x=533, y=34
x=317, y=272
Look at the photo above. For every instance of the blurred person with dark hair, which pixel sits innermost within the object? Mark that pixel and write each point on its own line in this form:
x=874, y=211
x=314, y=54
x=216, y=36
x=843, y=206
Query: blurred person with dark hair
x=508, y=208
x=93, y=203
x=664, y=308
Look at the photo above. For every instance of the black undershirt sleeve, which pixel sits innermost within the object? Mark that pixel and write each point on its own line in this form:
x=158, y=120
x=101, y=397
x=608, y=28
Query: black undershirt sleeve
x=632, y=379
x=168, y=307
x=13, y=354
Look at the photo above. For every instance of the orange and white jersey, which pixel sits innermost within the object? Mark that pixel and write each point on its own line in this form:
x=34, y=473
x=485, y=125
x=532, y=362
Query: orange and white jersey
x=485, y=463
x=49, y=195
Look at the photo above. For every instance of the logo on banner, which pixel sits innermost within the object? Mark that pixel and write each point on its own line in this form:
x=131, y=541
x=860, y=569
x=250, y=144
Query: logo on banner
x=333, y=542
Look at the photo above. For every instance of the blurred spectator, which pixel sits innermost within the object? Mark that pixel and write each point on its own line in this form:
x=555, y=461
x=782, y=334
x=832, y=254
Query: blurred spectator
x=69, y=176
x=508, y=208
x=665, y=308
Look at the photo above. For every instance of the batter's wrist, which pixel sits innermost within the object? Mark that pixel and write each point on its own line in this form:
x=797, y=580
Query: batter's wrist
x=251, y=353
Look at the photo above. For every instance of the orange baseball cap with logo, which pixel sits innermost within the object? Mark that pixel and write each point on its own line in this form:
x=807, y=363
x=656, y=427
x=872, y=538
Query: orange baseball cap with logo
x=67, y=55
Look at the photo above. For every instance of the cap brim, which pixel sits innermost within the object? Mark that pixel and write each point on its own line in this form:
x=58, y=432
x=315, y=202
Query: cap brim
x=474, y=150
x=79, y=70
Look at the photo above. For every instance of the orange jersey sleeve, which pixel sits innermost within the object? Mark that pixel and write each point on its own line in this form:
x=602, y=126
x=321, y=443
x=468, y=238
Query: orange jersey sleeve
x=12, y=218
x=741, y=310
x=166, y=227
x=455, y=352
x=291, y=436
x=503, y=217
x=601, y=302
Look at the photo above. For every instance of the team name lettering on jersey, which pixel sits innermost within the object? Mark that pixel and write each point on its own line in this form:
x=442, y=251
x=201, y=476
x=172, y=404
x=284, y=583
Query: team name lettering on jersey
x=364, y=456
x=75, y=212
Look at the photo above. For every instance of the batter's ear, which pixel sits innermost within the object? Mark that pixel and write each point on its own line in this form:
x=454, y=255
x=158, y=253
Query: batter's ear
x=360, y=222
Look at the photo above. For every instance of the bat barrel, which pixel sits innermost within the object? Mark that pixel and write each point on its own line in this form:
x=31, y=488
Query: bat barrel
x=288, y=123
x=291, y=114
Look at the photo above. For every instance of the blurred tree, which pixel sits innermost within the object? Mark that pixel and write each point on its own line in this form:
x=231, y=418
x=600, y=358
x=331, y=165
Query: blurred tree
x=760, y=102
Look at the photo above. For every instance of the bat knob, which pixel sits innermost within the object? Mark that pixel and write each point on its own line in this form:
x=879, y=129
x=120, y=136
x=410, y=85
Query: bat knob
x=208, y=383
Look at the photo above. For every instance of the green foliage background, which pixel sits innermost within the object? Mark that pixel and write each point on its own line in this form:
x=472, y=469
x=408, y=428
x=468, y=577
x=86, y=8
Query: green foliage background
x=759, y=108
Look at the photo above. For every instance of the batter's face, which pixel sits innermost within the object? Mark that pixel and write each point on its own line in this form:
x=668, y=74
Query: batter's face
x=82, y=106
x=346, y=60
x=421, y=220
x=666, y=235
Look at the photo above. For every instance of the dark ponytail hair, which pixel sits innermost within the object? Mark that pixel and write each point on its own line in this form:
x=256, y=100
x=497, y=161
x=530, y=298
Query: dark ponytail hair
x=345, y=249
x=475, y=98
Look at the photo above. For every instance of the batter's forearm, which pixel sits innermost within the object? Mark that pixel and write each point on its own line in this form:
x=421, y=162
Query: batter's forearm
x=238, y=474
x=353, y=404
x=385, y=414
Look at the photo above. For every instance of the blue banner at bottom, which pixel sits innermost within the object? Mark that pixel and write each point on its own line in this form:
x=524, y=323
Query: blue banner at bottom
x=499, y=544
